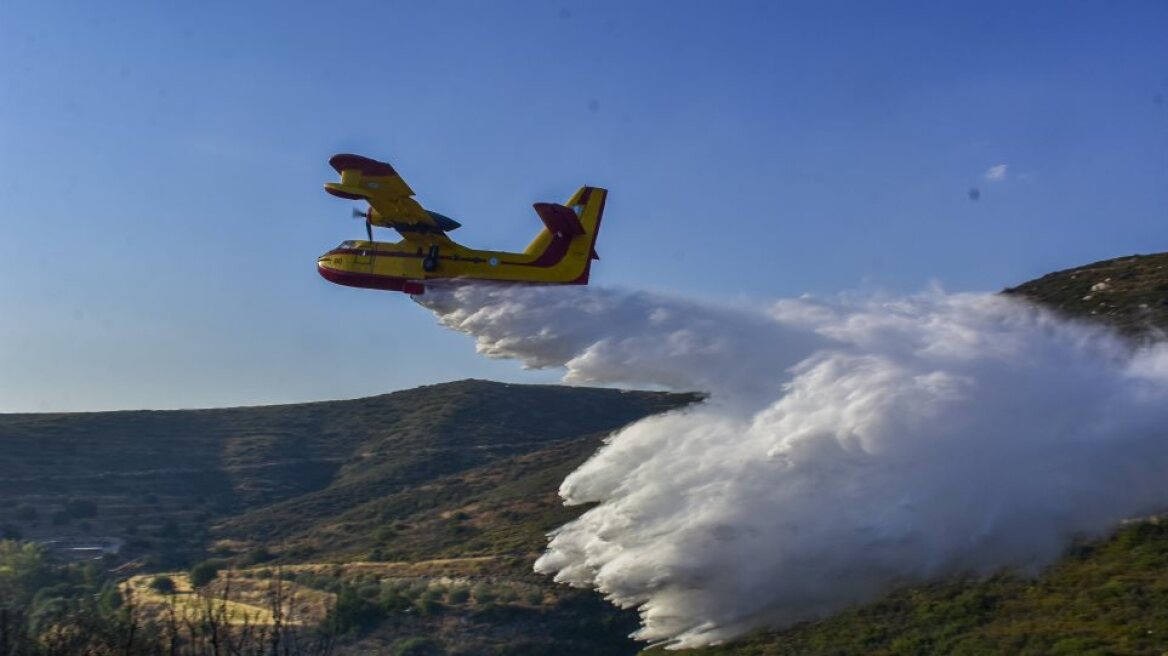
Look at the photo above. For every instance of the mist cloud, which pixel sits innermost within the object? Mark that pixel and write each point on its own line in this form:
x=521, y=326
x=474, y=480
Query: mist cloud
x=847, y=447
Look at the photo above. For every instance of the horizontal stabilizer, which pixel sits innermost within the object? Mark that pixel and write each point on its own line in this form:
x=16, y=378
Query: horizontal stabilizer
x=560, y=221
x=445, y=223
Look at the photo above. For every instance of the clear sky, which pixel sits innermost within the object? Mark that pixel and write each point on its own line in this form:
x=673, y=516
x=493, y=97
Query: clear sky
x=161, y=167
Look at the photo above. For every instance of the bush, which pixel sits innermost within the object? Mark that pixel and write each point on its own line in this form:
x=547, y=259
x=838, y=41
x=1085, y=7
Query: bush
x=417, y=646
x=427, y=607
x=205, y=572
x=484, y=594
x=352, y=613
x=458, y=595
x=163, y=584
x=392, y=601
x=257, y=556
x=507, y=596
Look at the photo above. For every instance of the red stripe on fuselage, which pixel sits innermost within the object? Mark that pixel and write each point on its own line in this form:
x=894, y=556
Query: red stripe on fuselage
x=370, y=281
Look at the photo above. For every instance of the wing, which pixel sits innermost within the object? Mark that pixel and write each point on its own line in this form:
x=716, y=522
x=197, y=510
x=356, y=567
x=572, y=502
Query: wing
x=390, y=198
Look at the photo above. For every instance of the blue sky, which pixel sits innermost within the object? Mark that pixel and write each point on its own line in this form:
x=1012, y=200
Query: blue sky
x=161, y=167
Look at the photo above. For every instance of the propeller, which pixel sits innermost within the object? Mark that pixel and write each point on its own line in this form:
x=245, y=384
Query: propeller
x=358, y=214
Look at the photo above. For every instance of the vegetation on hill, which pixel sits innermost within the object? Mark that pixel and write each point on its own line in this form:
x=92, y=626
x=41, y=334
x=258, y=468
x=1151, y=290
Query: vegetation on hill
x=1109, y=597
x=426, y=476
x=443, y=430
x=160, y=481
x=1129, y=293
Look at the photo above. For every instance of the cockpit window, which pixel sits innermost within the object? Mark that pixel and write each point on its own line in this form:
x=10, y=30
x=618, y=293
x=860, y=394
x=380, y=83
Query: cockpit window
x=347, y=245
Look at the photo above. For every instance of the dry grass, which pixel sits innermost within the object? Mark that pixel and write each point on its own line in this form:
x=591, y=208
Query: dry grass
x=240, y=598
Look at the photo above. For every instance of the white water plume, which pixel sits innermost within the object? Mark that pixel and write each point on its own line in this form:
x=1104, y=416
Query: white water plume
x=847, y=448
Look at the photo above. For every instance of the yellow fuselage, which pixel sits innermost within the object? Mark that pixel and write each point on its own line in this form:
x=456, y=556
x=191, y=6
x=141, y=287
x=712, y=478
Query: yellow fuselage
x=551, y=258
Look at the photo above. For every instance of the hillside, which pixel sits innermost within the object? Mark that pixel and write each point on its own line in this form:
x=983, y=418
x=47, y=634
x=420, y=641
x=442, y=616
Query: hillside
x=422, y=511
x=276, y=470
x=1129, y=293
x=425, y=477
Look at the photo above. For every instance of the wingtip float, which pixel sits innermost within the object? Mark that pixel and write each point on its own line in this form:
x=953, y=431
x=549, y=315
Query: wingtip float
x=561, y=254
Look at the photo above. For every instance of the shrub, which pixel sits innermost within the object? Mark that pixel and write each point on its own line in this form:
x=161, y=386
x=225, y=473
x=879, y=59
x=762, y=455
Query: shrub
x=392, y=601
x=352, y=613
x=427, y=607
x=163, y=584
x=507, y=596
x=484, y=594
x=257, y=556
x=417, y=646
x=458, y=595
x=433, y=593
x=205, y=572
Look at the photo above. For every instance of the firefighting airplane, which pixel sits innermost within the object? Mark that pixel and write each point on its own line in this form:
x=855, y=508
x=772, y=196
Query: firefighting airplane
x=561, y=254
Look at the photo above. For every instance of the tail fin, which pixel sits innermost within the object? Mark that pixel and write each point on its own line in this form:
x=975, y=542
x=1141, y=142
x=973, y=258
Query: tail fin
x=568, y=239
